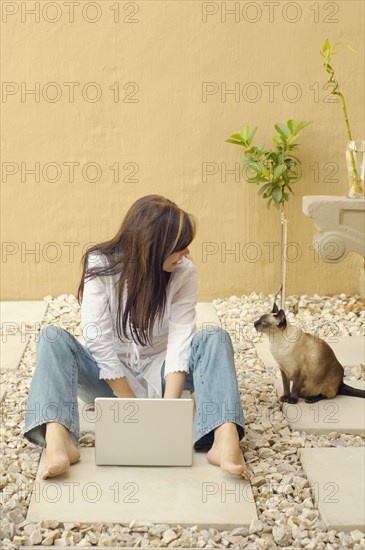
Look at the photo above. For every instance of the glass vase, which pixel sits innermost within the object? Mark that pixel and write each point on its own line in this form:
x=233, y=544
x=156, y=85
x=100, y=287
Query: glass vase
x=355, y=158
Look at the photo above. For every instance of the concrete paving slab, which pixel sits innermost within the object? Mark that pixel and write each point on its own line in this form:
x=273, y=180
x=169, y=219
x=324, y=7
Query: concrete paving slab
x=337, y=480
x=201, y=494
x=29, y=312
x=349, y=350
x=342, y=414
x=207, y=316
x=12, y=348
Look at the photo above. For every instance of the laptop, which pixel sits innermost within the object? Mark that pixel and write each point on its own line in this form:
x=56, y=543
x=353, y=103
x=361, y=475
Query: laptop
x=143, y=431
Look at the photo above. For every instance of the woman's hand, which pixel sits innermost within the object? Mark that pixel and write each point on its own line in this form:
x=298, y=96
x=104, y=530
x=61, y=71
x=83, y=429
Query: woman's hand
x=174, y=385
x=120, y=387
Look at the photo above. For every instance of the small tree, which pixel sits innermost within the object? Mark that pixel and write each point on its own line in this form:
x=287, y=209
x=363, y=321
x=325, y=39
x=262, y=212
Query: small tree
x=276, y=170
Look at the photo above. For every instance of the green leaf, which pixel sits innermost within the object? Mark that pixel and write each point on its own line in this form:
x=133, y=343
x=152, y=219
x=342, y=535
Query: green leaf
x=256, y=179
x=350, y=48
x=284, y=179
x=245, y=132
x=277, y=194
x=279, y=170
x=235, y=142
x=300, y=125
x=268, y=203
x=292, y=139
x=251, y=134
x=279, y=141
x=291, y=125
x=326, y=45
x=237, y=136
x=257, y=167
x=303, y=123
x=296, y=179
x=293, y=157
x=343, y=44
x=283, y=130
x=262, y=189
x=274, y=157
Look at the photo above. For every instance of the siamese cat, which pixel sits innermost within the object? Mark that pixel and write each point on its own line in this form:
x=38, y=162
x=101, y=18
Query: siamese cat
x=307, y=361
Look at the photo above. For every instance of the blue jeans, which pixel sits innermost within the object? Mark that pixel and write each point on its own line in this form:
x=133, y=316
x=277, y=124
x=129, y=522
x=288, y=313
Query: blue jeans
x=66, y=369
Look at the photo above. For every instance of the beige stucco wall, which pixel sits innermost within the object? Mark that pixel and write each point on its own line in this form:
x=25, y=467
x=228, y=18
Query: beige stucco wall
x=163, y=133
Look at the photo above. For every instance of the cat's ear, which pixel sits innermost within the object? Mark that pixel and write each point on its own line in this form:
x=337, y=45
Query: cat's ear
x=282, y=319
x=275, y=308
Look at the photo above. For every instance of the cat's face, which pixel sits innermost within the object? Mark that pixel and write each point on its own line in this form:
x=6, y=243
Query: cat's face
x=271, y=322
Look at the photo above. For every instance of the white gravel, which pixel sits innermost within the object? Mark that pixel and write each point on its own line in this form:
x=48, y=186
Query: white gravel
x=287, y=516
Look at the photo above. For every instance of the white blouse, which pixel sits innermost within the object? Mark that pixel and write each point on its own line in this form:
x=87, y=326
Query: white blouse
x=141, y=365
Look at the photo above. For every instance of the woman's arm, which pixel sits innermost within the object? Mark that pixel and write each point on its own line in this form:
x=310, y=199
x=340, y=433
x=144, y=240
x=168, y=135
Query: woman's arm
x=182, y=328
x=120, y=387
x=174, y=385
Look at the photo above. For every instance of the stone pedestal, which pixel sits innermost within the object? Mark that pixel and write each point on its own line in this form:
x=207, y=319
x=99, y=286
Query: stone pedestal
x=340, y=225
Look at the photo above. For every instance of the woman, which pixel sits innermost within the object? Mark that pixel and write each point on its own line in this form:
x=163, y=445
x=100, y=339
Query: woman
x=138, y=294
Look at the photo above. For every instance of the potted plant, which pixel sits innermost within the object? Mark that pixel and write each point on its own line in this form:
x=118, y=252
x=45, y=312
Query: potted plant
x=355, y=153
x=276, y=170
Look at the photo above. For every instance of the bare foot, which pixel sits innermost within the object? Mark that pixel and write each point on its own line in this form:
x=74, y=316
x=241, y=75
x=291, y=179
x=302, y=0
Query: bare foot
x=60, y=450
x=226, y=452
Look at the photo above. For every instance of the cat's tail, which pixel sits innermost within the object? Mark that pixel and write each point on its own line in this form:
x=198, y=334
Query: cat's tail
x=344, y=389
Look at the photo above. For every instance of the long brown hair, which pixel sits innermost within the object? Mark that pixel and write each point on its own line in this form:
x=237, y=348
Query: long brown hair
x=153, y=228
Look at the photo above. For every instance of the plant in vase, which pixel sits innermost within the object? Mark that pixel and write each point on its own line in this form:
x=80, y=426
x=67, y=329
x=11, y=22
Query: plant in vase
x=355, y=153
x=277, y=170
